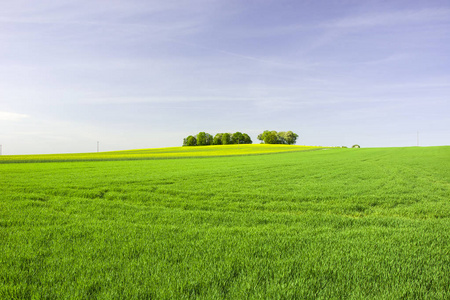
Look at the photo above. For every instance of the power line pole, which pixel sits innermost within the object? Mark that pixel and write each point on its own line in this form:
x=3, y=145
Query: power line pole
x=98, y=146
x=417, y=138
x=0, y=149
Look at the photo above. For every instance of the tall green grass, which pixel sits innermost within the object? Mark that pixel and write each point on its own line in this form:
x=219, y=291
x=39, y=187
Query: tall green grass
x=341, y=223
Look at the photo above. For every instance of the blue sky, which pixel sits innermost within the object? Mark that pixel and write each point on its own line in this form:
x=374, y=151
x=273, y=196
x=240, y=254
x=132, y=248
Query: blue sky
x=144, y=74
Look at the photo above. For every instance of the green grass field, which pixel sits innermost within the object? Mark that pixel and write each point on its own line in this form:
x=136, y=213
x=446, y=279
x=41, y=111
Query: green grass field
x=341, y=223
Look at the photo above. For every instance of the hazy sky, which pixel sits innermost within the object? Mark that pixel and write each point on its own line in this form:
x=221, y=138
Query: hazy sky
x=143, y=74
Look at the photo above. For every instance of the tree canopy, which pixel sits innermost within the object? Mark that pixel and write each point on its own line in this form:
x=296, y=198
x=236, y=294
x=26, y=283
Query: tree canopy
x=190, y=141
x=226, y=138
x=204, y=139
x=217, y=140
x=273, y=137
x=267, y=137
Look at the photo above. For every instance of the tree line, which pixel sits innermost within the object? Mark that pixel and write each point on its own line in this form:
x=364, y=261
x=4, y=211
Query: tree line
x=267, y=137
x=282, y=137
x=204, y=139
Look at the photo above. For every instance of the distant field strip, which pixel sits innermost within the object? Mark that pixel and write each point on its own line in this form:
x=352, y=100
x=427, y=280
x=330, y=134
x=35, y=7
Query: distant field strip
x=160, y=153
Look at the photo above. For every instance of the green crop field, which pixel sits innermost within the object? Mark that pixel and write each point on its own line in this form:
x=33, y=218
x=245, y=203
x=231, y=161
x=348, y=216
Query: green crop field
x=334, y=224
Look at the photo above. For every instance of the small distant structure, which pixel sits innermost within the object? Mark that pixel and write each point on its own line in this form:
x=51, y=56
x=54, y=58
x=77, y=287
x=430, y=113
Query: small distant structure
x=356, y=146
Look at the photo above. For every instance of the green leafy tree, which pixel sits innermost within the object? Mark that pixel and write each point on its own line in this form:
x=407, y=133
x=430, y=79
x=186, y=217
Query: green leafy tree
x=237, y=138
x=201, y=139
x=281, y=137
x=226, y=139
x=191, y=141
x=247, y=139
x=217, y=139
x=271, y=138
x=290, y=137
x=262, y=136
x=208, y=139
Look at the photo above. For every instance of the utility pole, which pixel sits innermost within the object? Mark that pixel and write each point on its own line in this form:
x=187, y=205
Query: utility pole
x=0, y=149
x=417, y=138
x=98, y=146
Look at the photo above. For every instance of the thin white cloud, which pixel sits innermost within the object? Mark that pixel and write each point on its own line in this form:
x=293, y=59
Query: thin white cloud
x=336, y=29
x=9, y=116
x=162, y=99
x=392, y=18
x=241, y=56
x=361, y=21
x=119, y=19
x=390, y=59
x=430, y=84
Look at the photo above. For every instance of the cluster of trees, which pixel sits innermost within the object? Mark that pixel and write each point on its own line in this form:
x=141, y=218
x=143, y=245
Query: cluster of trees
x=273, y=137
x=267, y=137
x=204, y=139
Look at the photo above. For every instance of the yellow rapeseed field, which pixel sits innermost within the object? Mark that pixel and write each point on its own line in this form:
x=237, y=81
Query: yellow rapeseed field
x=161, y=153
